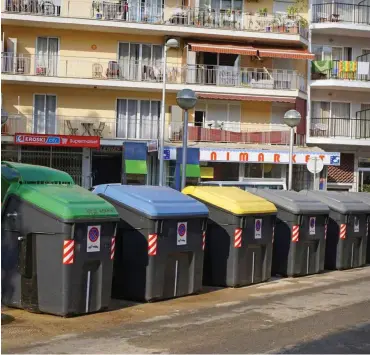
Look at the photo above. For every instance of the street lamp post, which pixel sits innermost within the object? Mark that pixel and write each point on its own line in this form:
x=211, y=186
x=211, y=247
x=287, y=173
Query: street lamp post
x=187, y=100
x=291, y=119
x=170, y=43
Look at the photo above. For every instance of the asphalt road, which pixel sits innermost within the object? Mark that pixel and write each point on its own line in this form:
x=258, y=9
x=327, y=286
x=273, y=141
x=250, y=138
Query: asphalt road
x=327, y=313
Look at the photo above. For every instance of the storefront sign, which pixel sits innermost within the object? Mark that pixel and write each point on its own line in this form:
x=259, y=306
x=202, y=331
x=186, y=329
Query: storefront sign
x=255, y=156
x=54, y=140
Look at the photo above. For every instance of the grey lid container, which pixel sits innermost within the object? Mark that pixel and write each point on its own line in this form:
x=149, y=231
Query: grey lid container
x=362, y=196
x=339, y=202
x=292, y=201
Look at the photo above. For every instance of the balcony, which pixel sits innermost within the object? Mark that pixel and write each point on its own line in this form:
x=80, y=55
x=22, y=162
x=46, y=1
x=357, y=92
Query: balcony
x=344, y=74
x=117, y=74
x=106, y=128
x=183, y=20
x=335, y=18
x=236, y=132
x=352, y=131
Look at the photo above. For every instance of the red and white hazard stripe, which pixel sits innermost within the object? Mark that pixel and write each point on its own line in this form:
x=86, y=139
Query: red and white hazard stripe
x=238, y=238
x=112, y=248
x=343, y=231
x=295, y=234
x=68, y=251
x=326, y=230
x=152, y=244
x=204, y=241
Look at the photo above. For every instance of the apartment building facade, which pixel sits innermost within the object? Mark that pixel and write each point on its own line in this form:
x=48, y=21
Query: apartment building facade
x=339, y=89
x=83, y=79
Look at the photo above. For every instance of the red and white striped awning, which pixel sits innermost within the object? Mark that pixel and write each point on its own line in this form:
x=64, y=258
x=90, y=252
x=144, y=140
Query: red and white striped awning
x=253, y=51
x=222, y=48
x=246, y=97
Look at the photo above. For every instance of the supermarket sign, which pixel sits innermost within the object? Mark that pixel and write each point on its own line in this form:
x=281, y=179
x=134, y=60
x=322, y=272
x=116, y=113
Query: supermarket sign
x=54, y=140
x=257, y=156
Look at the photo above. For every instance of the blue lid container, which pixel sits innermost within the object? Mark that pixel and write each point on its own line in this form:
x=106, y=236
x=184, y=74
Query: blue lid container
x=155, y=202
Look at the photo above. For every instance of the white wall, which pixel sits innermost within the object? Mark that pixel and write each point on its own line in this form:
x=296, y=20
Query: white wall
x=357, y=44
x=354, y=97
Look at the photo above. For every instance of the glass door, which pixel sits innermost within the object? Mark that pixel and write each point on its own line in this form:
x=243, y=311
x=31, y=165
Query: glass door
x=47, y=53
x=364, y=180
x=44, y=114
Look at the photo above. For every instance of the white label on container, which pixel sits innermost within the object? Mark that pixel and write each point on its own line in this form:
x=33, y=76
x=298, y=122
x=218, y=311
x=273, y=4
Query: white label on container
x=182, y=232
x=258, y=228
x=357, y=224
x=312, y=226
x=93, y=239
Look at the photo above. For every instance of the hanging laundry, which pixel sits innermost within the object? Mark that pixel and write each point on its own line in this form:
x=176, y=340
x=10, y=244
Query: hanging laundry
x=346, y=66
x=321, y=66
x=363, y=68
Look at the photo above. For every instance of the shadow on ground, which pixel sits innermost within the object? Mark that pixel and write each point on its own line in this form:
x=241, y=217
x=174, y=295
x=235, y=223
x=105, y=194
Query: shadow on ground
x=353, y=341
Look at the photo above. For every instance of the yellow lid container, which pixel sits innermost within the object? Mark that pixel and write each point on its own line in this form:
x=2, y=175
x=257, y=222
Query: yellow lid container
x=232, y=199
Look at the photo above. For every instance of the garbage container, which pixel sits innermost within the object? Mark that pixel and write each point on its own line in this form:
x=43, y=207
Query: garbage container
x=57, y=243
x=238, y=238
x=299, y=237
x=365, y=198
x=159, y=242
x=346, y=235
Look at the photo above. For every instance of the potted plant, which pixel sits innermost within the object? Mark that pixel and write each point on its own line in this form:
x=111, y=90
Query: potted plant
x=292, y=11
x=262, y=12
x=97, y=10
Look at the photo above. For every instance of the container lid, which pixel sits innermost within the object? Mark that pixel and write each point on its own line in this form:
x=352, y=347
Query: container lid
x=231, y=199
x=292, y=201
x=338, y=201
x=153, y=201
x=68, y=203
x=35, y=174
x=361, y=196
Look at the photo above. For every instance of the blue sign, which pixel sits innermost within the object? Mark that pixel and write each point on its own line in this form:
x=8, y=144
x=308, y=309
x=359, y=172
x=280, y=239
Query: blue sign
x=334, y=160
x=52, y=140
x=166, y=154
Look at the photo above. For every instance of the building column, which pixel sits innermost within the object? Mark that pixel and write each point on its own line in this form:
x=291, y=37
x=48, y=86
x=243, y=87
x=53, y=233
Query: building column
x=86, y=168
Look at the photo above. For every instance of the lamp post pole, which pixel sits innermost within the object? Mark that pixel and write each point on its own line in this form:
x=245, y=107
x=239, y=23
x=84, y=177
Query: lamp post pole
x=290, y=176
x=163, y=120
x=184, y=149
x=171, y=43
x=187, y=100
x=291, y=119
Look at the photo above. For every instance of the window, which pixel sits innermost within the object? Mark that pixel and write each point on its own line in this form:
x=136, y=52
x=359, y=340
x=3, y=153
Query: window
x=331, y=118
x=137, y=119
x=47, y=52
x=139, y=61
x=259, y=170
x=199, y=118
x=44, y=114
x=223, y=116
x=331, y=53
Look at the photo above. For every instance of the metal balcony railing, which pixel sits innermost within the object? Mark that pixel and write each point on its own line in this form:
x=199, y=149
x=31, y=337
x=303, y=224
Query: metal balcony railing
x=106, y=128
x=227, y=19
x=354, y=128
x=343, y=70
x=341, y=12
x=235, y=132
x=151, y=71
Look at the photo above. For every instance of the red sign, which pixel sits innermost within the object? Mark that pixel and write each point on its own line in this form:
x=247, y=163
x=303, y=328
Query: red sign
x=55, y=140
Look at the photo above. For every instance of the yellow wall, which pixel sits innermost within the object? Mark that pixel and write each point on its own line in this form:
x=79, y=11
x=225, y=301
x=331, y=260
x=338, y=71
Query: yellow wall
x=80, y=43
x=77, y=105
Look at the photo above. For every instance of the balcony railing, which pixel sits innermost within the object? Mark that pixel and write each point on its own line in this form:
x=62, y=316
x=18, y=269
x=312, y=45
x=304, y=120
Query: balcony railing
x=106, y=128
x=341, y=12
x=227, y=19
x=236, y=132
x=108, y=69
x=354, y=128
x=344, y=70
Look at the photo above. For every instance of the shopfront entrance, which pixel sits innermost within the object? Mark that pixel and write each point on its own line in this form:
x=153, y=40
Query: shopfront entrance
x=364, y=179
x=106, y=165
